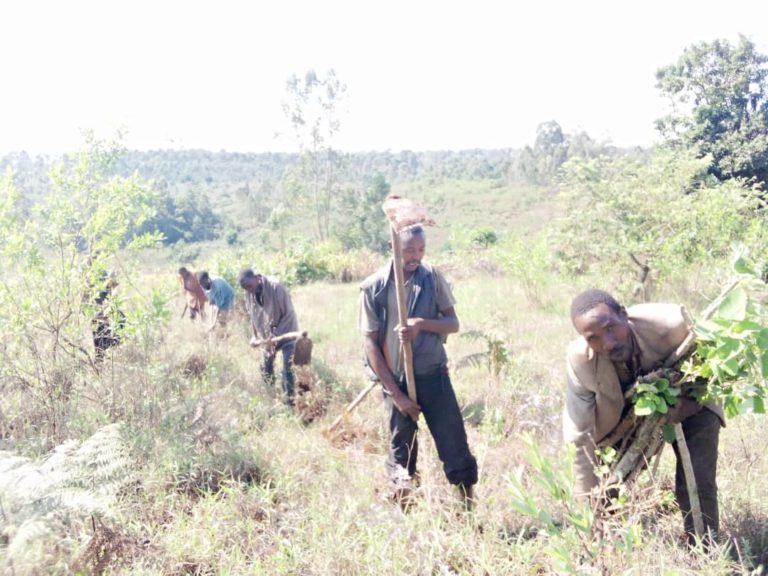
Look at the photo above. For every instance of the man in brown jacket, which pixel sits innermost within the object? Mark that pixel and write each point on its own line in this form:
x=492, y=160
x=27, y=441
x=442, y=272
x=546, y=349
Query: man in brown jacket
x=616, y=346
x=272, y=315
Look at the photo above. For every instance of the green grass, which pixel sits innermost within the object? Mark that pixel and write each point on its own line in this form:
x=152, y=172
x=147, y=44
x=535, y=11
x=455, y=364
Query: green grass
x=226, y=480
x=506, y=208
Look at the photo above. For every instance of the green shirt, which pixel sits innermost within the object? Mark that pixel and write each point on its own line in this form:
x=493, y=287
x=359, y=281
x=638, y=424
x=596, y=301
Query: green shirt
x=369, y=324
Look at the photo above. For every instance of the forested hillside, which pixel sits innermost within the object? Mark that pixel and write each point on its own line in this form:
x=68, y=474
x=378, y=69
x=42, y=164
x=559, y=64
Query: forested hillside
x=203, y=195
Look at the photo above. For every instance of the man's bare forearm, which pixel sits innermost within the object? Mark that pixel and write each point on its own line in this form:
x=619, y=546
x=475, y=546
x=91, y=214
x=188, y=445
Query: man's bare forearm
x=379, y=364
x=445, y=325
x=402, y=402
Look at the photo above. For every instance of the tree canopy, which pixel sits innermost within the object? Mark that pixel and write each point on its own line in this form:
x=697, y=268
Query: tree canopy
x=719, y=107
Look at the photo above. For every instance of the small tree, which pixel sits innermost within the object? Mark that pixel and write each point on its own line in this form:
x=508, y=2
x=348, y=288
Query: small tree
x=312, y=109
x=54, y=266
x=359, y=222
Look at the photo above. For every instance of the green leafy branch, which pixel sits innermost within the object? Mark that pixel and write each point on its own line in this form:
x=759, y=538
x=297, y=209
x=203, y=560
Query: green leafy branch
x=732, y=349
x=578, y=534
x=730, y=361
x=655, y=398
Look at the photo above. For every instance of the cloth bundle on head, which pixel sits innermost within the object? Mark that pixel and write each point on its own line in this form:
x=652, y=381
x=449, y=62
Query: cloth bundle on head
x=403, y=213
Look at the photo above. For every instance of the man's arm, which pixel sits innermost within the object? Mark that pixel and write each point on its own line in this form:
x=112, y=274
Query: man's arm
x=447, y=324
x=287, y=320
x=578, y=427
x=213, y=295
x=379, y=364
x=249, y=312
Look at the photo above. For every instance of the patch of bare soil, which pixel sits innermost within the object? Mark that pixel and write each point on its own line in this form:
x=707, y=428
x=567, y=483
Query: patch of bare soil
x=311, y=401
x=193, y=366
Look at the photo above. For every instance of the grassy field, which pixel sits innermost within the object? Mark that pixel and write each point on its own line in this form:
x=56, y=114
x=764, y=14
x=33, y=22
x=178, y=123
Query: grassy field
x=180, y=461
x=505, y=208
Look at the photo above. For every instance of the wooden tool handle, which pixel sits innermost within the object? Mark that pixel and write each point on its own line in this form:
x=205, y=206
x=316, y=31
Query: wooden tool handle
x=402, y=312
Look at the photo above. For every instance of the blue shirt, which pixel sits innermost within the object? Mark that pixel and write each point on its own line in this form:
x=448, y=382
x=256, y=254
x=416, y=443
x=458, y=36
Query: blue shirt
x=221, y=294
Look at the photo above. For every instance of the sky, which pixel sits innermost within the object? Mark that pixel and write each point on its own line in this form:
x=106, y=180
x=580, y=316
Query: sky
x=420, y=75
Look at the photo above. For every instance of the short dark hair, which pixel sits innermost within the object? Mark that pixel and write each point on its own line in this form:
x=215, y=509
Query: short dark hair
x=412, y=232
x=588, y=299
x=203, y=277
x=244, y=275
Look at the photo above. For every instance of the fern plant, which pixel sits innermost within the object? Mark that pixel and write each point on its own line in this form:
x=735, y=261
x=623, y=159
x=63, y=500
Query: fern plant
x=496, y=355
x=42, y=501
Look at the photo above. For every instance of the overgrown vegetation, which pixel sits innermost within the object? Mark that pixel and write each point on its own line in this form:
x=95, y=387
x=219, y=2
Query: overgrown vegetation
x=169, y=455
x=653, y=221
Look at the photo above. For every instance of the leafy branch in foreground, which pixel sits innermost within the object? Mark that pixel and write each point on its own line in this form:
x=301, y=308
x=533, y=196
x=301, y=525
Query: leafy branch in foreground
x=577, y=535
x=729, y=363
x=732, y=349
x=655, y=397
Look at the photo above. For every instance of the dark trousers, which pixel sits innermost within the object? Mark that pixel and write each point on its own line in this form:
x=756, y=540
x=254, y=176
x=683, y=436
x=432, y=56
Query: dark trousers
x=268, y=369
x=443, y=417
x=702, y=433
x=104, y=337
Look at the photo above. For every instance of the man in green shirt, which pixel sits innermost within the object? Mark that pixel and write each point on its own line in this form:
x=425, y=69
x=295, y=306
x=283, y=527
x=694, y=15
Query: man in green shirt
x=431, y=317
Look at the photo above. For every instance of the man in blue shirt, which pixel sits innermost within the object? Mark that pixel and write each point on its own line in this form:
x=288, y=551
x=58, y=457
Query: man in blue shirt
x=220, y=296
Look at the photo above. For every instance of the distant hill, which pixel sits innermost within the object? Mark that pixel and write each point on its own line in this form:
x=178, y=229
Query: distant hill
x=221, y=170
x=228, y=168
x=204, y=195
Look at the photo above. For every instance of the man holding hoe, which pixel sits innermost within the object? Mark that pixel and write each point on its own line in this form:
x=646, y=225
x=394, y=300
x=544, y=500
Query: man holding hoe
x=430, y=318
x=220, y=296
x=273, y=325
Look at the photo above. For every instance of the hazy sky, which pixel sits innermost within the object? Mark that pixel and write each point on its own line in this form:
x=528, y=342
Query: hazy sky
x=420, y=74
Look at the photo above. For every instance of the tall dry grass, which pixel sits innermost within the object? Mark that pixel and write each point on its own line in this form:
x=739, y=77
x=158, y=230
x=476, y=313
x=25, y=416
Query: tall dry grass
x=227, y=480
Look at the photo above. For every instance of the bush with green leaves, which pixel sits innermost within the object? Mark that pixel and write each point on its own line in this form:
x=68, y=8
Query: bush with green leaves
x=484, y=237
x=55, y=264
x=467, y=239
x=732, y=348
x=666, y=212
x=529, y=261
